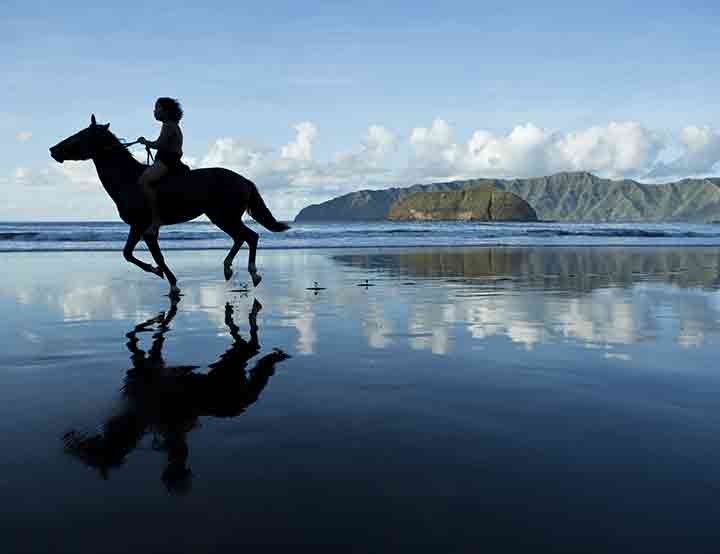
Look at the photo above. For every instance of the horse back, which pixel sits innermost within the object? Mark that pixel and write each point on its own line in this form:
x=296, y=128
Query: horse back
x=207, y=190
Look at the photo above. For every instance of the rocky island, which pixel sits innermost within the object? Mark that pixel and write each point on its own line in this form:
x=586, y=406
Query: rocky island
x=484, y=203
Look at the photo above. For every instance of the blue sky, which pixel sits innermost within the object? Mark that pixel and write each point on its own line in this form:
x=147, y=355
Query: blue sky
x=314, y=100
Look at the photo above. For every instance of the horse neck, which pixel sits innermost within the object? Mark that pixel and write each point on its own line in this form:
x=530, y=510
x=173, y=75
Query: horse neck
x=117, y=170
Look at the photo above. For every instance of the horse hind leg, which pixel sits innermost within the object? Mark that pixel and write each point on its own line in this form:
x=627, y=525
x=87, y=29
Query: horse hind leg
x=240, y=233
x=251, y=237
x=236, y=232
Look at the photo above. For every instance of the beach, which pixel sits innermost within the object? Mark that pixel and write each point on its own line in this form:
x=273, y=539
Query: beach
x=364, y=399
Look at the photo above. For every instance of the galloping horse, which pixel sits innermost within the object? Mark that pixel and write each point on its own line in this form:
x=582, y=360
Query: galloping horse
x=219, y=193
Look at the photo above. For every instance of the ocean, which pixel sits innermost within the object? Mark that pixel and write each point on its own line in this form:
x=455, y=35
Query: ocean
x=203, y=235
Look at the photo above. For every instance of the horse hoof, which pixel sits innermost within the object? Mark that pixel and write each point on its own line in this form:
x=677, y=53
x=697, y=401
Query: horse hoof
x=228, y=272
x=255, y=279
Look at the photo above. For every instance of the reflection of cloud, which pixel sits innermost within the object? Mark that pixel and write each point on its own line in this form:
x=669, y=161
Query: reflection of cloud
x=427, y=331
x=617, y=356
x=691, y=334
x=602, y=319
x=493, y=316
x=302, y=318
x=377, y=327
x=306, y=333
x=526, y=333
x=433, y=316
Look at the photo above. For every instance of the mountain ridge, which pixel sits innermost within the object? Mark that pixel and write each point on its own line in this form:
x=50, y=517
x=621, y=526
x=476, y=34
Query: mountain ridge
x=565, y=196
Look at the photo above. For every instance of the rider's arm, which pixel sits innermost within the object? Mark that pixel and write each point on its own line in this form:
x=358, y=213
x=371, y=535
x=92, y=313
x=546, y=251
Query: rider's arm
x=162, y=141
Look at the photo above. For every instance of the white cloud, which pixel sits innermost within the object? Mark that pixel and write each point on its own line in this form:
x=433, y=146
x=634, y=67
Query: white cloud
x=616, y=150
x=291, y=177
x=621, y=149
x=71, y=176
x=24, y=136
x=58, y=192
x=526, y=151
x=237, y=154
x=22, y=173
x=301, y=148
x=295, y=170
x=433, y=142
x=379, y=141
x=701, y=152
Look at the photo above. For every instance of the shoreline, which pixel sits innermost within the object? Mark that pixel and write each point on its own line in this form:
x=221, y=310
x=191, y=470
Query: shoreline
x=143, y=248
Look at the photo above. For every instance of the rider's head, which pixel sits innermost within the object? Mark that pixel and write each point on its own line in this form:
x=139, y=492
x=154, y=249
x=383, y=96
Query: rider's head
x=168, y=109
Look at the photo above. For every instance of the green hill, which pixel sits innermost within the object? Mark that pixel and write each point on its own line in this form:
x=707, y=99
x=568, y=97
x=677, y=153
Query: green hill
x=577, y=196
x=479, y=203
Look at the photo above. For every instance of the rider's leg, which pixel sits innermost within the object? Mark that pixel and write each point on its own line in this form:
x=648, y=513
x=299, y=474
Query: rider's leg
x=148, y=180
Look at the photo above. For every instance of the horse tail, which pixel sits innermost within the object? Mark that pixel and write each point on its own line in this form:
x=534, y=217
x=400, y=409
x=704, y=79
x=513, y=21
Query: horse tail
x=260, y=213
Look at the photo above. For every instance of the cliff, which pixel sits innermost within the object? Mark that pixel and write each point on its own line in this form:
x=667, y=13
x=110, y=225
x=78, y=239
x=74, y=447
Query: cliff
x=481, y=203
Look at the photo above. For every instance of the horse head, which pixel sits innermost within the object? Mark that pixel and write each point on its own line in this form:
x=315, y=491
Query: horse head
x=83, y=145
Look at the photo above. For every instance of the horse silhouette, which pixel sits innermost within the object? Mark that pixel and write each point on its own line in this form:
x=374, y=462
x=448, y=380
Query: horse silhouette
x=168, y=400
x=221, y=194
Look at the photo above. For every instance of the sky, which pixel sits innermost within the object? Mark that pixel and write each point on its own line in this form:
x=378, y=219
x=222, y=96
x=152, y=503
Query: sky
x=314, y=100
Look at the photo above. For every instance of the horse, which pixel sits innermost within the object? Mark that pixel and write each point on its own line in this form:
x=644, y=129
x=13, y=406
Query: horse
x=223, y=195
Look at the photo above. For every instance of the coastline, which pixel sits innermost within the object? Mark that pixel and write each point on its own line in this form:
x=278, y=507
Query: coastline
x=198, y=236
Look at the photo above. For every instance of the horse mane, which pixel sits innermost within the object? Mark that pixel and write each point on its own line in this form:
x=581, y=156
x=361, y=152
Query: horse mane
x=118, y=148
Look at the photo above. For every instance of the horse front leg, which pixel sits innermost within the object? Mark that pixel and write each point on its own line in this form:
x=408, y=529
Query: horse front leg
x=133, y=238
x=151, y=239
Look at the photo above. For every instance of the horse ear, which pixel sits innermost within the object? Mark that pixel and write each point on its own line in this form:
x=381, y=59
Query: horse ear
x=92, y=120
x=106, y=126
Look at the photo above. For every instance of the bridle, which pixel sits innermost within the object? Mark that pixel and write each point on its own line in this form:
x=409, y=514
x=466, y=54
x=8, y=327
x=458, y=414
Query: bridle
x=150, y=158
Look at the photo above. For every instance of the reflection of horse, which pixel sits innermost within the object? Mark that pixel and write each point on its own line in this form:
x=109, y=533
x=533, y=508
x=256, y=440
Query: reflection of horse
x=219, y=193
x=168, y=400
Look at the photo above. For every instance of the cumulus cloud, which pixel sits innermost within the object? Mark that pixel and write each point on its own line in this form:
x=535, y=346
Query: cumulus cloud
x=24, y=136
x=701, y=152
x=60, y=192
x=294, y=169
x=235, y=154
x=619, y=149
x=301, y=148
x=292, y=177
x=71, y=176
x=379, y=141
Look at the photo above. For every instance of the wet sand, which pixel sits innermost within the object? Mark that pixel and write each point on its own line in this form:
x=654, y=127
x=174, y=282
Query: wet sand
x=555, y=399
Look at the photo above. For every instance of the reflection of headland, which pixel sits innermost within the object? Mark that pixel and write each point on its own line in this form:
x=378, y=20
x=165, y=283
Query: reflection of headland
x=598, y=296
x=166, y=401
x=579, y=269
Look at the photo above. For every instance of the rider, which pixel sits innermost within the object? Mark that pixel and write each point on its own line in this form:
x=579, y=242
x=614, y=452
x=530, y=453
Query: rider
x=169, y=152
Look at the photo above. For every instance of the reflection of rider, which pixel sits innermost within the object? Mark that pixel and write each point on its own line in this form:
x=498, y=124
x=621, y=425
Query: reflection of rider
x=167, y=401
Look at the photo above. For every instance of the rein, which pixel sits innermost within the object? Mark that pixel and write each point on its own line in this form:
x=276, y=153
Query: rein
x=150, y=158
